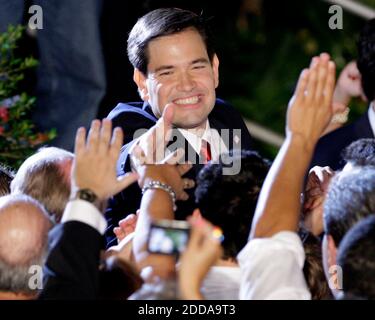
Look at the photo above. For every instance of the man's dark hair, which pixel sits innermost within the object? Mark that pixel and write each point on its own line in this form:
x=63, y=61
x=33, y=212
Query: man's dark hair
x=356, y=256
x=360, y=153
x=229, y=201
x=313, y=268
x=366, y=59
x=159, y=23
x=118, y=279
x=350, y=198
x=6, y=177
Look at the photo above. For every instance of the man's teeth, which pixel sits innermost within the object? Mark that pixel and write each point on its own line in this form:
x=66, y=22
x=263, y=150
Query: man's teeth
x=191, y=100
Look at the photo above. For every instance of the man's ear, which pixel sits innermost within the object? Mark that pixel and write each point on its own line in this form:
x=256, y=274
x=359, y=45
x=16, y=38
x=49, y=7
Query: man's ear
x=332, y=251
x=215, y=67
x=140, y=80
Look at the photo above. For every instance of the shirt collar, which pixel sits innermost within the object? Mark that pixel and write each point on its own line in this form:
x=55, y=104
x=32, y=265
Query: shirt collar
x=196, y=140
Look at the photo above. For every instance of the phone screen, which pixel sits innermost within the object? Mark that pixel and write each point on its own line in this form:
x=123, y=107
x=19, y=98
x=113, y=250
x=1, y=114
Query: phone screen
x=167, y=239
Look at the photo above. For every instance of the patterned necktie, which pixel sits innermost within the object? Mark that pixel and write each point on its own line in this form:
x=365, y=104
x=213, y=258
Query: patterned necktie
x=205, y=151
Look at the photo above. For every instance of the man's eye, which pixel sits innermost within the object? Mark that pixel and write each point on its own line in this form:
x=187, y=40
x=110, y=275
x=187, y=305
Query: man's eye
x=199, y=67
x=166, y=73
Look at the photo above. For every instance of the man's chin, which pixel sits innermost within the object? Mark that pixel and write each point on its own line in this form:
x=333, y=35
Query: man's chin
x=189, y=124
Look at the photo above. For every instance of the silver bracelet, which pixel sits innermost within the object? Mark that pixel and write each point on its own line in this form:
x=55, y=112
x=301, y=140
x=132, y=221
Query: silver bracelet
x=154, y=184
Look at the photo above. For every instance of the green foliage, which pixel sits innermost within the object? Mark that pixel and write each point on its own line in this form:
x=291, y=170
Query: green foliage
x=261, y=62
x=18, y=136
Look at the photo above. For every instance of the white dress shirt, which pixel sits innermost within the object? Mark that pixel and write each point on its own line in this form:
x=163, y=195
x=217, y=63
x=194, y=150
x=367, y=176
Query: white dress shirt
x=272, y=268
x=85, y=212
x=211, y=135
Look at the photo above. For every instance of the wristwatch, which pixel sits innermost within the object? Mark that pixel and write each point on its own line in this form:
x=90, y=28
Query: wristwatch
x=87, y=195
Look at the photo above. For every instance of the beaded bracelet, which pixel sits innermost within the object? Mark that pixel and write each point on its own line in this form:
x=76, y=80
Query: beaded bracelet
x=154, y=184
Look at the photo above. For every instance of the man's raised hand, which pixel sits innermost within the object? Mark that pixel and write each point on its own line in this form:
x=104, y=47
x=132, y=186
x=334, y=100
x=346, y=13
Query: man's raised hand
x=94, y=166
x=310, y=109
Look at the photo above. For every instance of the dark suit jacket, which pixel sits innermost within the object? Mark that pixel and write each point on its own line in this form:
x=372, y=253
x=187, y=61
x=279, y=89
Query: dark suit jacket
x=72, y=267
x=134, y=116
x=329, y=148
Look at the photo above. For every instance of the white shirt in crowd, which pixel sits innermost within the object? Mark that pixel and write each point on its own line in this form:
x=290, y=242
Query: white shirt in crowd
x=272, y=268
x=222, y=283
x=85, y=212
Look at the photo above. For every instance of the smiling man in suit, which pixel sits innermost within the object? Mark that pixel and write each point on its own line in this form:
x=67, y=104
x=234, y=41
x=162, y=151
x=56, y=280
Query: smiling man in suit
x=176, y=71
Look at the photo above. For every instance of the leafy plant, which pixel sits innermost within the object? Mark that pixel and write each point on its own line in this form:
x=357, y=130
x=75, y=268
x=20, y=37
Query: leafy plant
x=18, y=135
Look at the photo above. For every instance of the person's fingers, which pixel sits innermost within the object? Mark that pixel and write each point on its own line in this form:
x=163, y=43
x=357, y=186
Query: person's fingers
x=312, y=84
x=93, y=136
x=125, y=181
x=116, y=143
x=119, y=233
x=321, y=79
x=128, y=221
x=80, y=141
x=330, y=84
x=313, y=62
x=183, y=196
x=160, y=135
x=183, y=168
x=105, y=135
x=195, y=236
x=138, y=156
x=352, y=70
x=188, y=183
x=175, y=157
x=325, y=57
x=168, y=114
x=129, y=218
x=299, y=94
x=197, y=214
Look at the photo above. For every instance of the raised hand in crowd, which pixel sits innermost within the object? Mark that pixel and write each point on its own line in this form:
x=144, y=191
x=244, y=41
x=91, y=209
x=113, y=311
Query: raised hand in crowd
x=309, y=112
x=93, y=181
x=276, y=215
x=94, y=166
x=348, y=86
x=126, y=226
x=202, y=252
x=152, y=144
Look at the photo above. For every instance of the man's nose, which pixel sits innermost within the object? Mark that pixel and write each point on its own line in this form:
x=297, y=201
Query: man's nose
x=186, y=82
